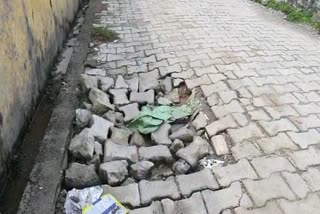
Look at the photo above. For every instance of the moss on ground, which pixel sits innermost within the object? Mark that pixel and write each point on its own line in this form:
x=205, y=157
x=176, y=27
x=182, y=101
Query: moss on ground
x=104, y=34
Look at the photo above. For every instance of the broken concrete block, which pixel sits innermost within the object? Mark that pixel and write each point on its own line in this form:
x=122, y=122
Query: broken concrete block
x=184, y=134
x=114, y=117
x=82, y=145
x=120, y=135
x=154, y=208
x=176, y=145
x=96, y=72
x=83, y=117
x=161, y=136
x=100, y=101
x=173, y=96
x=133, y=84
x=164, y=101
x=121, y=83
x=81, y=176
x=161, y=172
x=114, y=151
x=100, y=127
x=166, y=85
x=194, y=151
x=130, y=111
x=138, y=140
x=155, y=153
x=141, y=170
x=98, y=150
x=181, y=167
x=89, y=82
x=119, y=96
x=201, y=121
x=142, y=97
x=114, y=172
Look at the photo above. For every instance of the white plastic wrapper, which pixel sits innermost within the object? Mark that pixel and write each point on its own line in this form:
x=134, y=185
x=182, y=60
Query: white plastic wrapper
x=79, y=198
x=210, y=163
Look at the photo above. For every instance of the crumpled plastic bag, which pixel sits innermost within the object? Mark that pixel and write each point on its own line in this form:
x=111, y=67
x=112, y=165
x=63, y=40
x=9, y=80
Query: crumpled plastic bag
x=151, y=118
x=79, y=198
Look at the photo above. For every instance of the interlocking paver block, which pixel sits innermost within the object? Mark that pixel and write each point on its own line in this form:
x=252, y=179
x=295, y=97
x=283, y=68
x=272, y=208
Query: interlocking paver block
x=310, y=205
x=221, y=125
x=223, y=110
x=268, y=165
x=279, y=142
x=305, y=123
x=304, y=139
x=271, y=207
x=128, y=195
x=274, y=127
x=305, y=158
x=278, y=112
x=296, y=183
x=216, y=201
x=312, y=177
x=212, y=88
x=263, y=190
x=153, y=190
x=245, y=149
x=244, y=133
x=196, y=182
x=228, y=174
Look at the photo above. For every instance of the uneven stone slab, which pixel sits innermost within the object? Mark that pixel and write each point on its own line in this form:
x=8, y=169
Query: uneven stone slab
x=194, y=151
x=100, y=101
x=148, y=83
x=220, y=145
x=245, y=149
x=81, y=176
x=153, y=190
x=141, y=170
x=83, y=117
x=114, y=151
x=100, y=127
x=127, y=195
x=114, y=172
x=305, y=158
x=82, y=145
x=271, y=207
x=89, y=82
x=130, y=111
x=105, y=83
x=192, y=205
x=216, y=201
x=176, y=145
x=161, y=136
x=121, y=83
x=133, y=84
x=309, y=205
x=220, y=125
x=197, y=181
x=184, y=134
x=114, y=117
x=181, y=167
x=200, y=121
x=142, y=97
x=155, y=153
x=138, y=140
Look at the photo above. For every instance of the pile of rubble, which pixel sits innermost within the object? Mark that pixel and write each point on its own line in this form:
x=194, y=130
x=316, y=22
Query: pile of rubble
x=106, y=152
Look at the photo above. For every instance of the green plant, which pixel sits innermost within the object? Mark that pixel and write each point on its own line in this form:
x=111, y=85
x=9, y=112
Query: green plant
x=294, y=14
x=104, y=34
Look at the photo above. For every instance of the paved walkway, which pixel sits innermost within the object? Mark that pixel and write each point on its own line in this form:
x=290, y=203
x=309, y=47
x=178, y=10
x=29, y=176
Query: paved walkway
x=260, y=76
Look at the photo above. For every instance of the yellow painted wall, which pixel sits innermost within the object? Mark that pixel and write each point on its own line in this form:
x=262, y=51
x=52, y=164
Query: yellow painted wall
x=31, y=33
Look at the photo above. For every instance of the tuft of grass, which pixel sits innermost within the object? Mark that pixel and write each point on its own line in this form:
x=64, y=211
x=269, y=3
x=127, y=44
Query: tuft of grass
x=294, y=14
x=104, y=34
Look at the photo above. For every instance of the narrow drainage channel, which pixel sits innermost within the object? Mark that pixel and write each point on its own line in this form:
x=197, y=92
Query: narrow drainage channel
x=28, y=148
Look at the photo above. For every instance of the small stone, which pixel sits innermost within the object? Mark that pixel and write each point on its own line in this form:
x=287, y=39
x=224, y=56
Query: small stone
x=105, y=83
x=130, y=111
x=89, y=82
x=164, y=101
x=98, y=148
x=152, y=190
x=114, y=172
x=83, y=117
x=82, y=145
x=114, y=117
x=155, y=153
x=173, y=96
x=149, y=83
x=161, y=172
x=181, y=167
x=119, y=96
x=142, y=97
x=166, y=85
x=100, y=101
x=128, y=181
x=177, y=82
x=127, y=195
x=133, y=84
x=141, y=170
x=161, y=136
x=114, y=151
x=184, y=134
x=194, y=151
x=201, y=121
x=121, y=83
x=100, y=127
x=138, y=140
x=220, y=145
x=120, y=135
x=176, y=145
x=81, y=176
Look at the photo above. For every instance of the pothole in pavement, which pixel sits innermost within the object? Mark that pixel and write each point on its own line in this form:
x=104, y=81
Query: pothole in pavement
x=113, y=148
